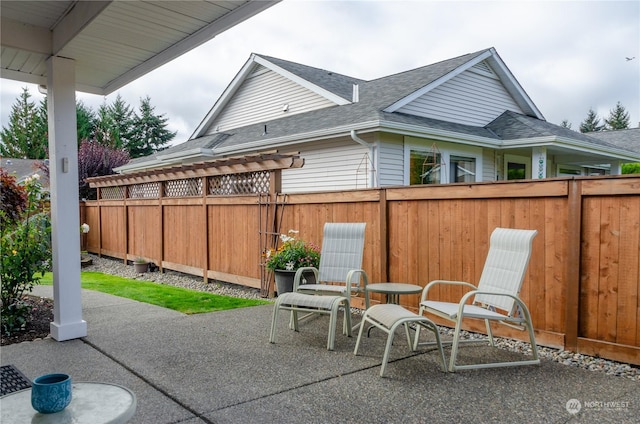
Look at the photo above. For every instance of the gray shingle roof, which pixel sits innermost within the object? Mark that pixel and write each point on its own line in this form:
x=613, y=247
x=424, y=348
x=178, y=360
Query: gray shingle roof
x=339, y=84
x=512, y=126
x=627, y=139
x=374, y=97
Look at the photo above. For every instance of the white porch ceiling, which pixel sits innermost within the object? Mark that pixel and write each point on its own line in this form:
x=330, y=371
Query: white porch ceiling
x=112, y=42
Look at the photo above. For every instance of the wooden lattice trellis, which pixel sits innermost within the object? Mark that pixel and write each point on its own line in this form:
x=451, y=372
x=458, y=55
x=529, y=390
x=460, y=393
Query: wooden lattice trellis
x=112, y=193
x=243, y=183
x=144, y=191
x=183, y=188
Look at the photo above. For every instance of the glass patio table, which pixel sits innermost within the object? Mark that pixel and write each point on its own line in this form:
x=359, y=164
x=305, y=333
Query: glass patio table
x=91, y=403
x=393, y=291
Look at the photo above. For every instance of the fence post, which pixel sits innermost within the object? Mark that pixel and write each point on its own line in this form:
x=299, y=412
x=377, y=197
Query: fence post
x=384, y=236
x=205, y=248
x=572, y=266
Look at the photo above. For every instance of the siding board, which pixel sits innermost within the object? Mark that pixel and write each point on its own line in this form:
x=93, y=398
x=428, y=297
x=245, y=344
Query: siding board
x=260, y=98
x=469, y=98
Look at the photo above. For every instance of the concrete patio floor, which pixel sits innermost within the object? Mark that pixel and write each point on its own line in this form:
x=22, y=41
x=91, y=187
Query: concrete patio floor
x=220, y=368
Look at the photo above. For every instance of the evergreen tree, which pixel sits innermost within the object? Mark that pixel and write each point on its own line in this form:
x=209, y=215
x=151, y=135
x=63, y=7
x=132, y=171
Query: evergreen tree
x=151, y=134
x=26, y=135
x=122, y=116
x=591, y=123
x=618, y=118
x=86, y=121
x=565, y=124
x=105, y=127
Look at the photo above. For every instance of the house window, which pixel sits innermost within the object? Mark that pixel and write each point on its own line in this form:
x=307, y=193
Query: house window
x=424, y=167
x=432, y=168
x=517, y=167
x=516, y=171
x=462, y=169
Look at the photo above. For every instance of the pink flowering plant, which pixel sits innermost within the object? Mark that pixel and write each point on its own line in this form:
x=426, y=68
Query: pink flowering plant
x=292, y=254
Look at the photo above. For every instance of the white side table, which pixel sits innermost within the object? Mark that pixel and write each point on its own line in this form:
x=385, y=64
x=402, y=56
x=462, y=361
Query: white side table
x=91, y=403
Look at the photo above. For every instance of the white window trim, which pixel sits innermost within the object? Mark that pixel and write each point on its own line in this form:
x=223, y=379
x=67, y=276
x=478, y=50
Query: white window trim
x=523, y=160
x=446, y=150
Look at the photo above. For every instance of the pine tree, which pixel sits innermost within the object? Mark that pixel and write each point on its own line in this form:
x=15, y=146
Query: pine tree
x=26, y=135
x=122, y=116
x=591, y=123
x=105, y=127
x=151, y=134
x=565, y=124
x=86, y=121
x=618, y=118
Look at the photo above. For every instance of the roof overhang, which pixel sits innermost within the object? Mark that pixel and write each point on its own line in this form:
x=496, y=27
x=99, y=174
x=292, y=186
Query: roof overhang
x=111, y=42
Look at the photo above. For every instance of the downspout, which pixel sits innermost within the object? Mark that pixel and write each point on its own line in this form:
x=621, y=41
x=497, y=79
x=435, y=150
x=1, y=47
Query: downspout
x=371, y=147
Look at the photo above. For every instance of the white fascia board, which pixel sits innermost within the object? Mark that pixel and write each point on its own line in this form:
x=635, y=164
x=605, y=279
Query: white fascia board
x=443, y=135
x=192, y=41
x=224, y=98
x=23, y=77
x=165, y=160
x=344, y=130
x=185, y=154
x=416, y=94
x=302, y=82
x=512, y=85
x=577, y=145
x=140, y=166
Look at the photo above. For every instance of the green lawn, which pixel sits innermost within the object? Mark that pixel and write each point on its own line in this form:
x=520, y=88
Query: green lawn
x=176, y=298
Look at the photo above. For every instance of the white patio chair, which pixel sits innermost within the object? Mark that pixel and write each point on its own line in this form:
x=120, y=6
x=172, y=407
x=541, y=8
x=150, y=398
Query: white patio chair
x=340, y=270
x=495, y=299
x=338, y=277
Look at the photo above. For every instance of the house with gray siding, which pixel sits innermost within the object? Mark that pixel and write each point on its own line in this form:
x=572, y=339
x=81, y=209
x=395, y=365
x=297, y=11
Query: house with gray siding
x=465, y=119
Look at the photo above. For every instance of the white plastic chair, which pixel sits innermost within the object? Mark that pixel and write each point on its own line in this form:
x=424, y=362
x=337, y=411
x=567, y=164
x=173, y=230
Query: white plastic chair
x=496, y=298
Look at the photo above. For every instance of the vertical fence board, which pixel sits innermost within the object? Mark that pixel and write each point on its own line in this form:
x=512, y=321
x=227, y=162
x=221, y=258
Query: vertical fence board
x=590, y=268
x=607, y=289
x=628, y=307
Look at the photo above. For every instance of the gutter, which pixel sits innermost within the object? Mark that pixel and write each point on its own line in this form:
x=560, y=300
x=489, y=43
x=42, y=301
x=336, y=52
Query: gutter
x=372, y=151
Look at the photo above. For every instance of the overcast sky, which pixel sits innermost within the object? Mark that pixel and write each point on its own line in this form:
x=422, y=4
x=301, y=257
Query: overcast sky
x=568, y=56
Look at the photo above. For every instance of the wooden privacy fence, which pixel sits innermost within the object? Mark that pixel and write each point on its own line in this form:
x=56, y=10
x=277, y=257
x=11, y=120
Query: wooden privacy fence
x=582, y=284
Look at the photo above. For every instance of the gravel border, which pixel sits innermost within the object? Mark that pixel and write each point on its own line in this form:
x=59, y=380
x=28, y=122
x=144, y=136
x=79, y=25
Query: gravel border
x=118, y=267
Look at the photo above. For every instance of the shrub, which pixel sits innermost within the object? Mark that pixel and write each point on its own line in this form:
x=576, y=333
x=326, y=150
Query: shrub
x=25, y=251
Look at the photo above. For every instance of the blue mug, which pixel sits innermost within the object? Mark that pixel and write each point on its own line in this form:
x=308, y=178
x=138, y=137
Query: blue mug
x=51, y=393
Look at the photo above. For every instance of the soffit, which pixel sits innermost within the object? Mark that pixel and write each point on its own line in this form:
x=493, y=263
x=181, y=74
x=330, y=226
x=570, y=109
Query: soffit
x=112, y=42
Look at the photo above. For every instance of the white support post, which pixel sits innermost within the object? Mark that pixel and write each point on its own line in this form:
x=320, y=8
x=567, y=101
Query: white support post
x=65, y=215
x=616, y=167
x=539, y=163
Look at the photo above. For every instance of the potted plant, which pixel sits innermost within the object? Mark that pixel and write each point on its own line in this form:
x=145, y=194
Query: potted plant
x=289, y=257
x=85, y=260
x=140, y=265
